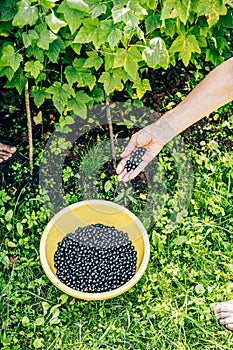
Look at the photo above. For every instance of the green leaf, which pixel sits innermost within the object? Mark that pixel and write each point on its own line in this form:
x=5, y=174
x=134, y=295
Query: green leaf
x=64, y=121
x=78, y=5
x=11, y=244
x=90, y=26
x=71, y=74
x=45, y=306
x=72, y=17
x=54, y=320
x=7, y=71
x=30, y=38
x=34, y=68
x=96, y=9
x=54, y=23
x=102, y=33
x=64, y=298
x=85, y=34
x=125, y=76
x=199, y=289
x=9, y=215
x=108, y=186
x=114, y=37
x=47, y=3
x=184, y=10
x=111, y=82
x=156, y=55
x=119, y=197
x=200, y=38
x=101, y=29
x=18, y=81
x=176, y=8
x=129, y=61
x=39, y=95
x=180, y=240
x=60, y=94
x=78, y=74
x=82, y=97
x=19, y=228
x=25, y=321
x=227, y=20
x=170, y=9
x=93, y=61
x=169, y=27
x=45, y=36
x=185, y=44
x=152, y=22
x=86, y=79
x=141, y=86
x=108, y=61
x=8, y=10
x=213, y=9
x=35, y=52
x=39, y=321
x=212, y=55
x=4, y=198
x=130, y=13
x=151, y=4
x=5, y=29
x=9, y=227
x=10, y=58
x=38, y=343
x=26, y=14
x=4, y=259
x=55, y=48
x=97, y=94
x=76, y=48
x=79, y=104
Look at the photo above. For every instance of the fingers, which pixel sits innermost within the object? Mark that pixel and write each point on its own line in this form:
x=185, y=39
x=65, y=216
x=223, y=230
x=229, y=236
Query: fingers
x=120, y=169
x=123, y=176
x=126, y=176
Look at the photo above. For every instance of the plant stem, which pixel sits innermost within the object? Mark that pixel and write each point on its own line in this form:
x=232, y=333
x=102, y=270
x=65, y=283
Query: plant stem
x=109, y=119
x=29, y=126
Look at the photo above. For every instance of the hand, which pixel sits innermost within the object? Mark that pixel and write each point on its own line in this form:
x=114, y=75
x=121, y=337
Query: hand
x=143, y=138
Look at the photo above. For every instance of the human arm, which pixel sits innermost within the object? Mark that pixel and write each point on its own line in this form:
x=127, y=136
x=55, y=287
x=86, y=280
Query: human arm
x=213, y=92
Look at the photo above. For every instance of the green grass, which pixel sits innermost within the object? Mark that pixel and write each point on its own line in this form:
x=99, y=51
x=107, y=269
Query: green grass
x=169, y=308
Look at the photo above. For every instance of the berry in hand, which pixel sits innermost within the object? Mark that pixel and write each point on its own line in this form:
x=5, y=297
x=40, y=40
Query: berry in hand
x=135, y=159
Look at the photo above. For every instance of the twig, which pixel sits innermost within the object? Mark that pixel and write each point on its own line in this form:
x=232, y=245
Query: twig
x=109, y=119
x=29, y=126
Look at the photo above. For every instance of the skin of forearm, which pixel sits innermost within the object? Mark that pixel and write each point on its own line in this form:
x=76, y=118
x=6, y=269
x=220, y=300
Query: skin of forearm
x=213, y=92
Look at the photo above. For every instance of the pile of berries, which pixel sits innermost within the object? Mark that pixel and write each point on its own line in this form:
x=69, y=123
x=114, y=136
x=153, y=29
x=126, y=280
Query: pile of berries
x=135, y=159
x=96, y=258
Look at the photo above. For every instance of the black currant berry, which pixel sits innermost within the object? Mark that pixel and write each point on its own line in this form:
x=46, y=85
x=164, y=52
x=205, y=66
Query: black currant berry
x=96, y=258
x=135, y=159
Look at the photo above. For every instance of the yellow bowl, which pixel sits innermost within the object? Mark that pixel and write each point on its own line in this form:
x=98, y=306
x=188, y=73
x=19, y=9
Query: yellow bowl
x=92, y=212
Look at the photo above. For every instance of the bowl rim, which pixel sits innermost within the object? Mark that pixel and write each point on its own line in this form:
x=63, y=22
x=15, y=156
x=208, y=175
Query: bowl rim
x=85, y=295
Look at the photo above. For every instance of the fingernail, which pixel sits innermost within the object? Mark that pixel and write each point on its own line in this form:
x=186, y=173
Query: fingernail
x=13, y=149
